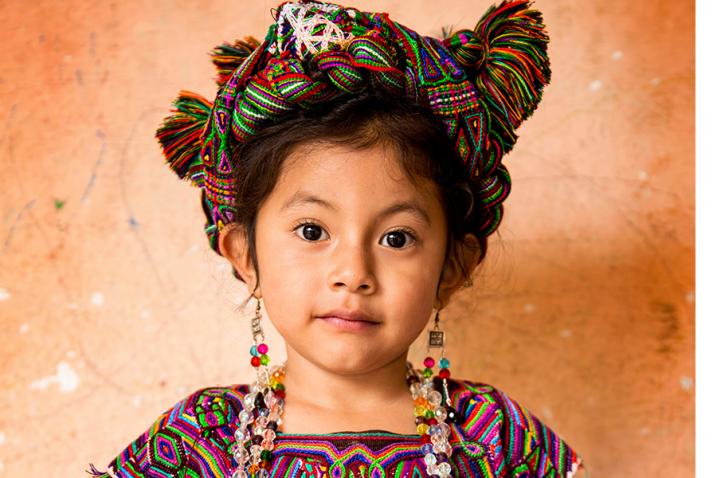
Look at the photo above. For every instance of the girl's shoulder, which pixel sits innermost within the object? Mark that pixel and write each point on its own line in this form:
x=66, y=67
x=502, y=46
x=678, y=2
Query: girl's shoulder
x=497, y=425
x=193, y=436
x=196, y=434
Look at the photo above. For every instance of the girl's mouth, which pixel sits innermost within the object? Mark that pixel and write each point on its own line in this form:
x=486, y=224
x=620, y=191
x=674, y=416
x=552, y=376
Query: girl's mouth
x=348, y=325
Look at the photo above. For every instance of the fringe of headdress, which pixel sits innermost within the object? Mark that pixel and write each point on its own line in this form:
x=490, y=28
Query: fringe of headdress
x=507, y=56
x=517, y=67
x=180, y=133
x=93, y=471
x=228, y=57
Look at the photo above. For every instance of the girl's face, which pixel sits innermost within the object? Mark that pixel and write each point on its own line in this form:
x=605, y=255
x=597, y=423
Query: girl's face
x=346, y=229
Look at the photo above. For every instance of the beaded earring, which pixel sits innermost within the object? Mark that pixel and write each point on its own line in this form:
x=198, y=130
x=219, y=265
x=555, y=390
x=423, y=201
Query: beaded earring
x=433, y=409
x=263, y=406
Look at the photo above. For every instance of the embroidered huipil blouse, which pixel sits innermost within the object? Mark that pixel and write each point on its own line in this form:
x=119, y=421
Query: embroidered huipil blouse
x=493, y=436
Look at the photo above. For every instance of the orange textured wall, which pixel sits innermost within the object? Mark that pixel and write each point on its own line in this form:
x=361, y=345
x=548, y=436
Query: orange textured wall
x=583, y=312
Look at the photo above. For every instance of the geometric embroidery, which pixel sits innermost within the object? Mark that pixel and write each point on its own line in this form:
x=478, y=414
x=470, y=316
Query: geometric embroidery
x=494, y=437
x=224, y=164
x=167, y=451
x=430, y=71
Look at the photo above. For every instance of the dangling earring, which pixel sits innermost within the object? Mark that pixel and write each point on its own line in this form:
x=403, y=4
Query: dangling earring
x=433, y=411
x=265, y=381
x=259, y=350
x=436, y=339
x=263, y=406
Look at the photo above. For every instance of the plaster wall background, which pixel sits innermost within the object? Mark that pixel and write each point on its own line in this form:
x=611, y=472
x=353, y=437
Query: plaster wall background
x=583, y=311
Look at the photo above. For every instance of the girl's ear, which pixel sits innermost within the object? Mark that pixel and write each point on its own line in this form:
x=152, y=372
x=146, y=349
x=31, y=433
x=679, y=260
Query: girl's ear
x=468, y=253
x=234, y=246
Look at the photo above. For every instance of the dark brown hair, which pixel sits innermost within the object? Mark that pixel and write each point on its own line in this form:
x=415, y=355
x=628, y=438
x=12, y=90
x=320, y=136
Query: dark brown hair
x=359, y=122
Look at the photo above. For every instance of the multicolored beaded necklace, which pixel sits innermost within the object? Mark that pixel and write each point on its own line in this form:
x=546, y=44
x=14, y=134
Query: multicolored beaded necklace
x=264, y=406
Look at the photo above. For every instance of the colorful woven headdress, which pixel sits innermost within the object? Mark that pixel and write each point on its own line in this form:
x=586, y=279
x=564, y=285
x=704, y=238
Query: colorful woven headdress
x=482, y=84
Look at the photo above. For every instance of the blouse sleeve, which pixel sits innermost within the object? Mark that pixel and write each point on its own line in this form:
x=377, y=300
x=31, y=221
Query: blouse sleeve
x=518, y=443
x=163, y=444
x=531, y=449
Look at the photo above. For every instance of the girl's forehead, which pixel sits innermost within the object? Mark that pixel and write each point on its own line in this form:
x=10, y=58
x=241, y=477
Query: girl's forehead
x=374, y=174
x=344, y=164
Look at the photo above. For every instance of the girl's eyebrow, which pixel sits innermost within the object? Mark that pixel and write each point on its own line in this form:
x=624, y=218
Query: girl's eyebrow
x=302, y=197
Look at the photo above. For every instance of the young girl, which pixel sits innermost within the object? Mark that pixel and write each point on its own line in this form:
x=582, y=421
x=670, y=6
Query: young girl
x=351, y=171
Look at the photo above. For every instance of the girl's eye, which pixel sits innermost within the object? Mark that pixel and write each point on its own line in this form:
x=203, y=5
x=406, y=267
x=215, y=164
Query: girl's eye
x=309, y=231
x=396, y=239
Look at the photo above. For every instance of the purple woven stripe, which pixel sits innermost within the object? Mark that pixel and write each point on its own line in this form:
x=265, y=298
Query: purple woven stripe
x=294, y=90
x=334, y=64
x=267, y=99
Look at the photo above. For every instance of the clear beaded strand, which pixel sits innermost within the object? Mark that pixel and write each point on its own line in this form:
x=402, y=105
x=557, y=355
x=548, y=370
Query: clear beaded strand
x=433, y=413
x=261, y=414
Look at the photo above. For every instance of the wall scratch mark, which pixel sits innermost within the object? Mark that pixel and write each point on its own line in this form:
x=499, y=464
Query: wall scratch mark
x=15, y=222
x=93, y=175
x=92, y=43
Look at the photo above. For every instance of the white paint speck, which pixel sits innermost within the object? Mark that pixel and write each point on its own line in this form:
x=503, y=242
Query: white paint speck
x=690, y=297
x=3, y=438
x=595, y=85
x=136, y=401
x=655, y=81
x=145, y=314
x=547, y=413
x=66, y=379
x=617, y=55
x=566, y=333
x=71, y=354
x=642, y=175
x=4, y=294
x=686, y=383
x=529, y=308
x=97, y=299
x=24, y=328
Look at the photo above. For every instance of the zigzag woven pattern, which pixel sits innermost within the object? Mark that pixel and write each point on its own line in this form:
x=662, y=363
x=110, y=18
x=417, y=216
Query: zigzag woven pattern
x=481, y=83
x=495, y=437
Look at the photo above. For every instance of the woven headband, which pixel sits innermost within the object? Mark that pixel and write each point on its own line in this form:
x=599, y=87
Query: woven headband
x=481, y=83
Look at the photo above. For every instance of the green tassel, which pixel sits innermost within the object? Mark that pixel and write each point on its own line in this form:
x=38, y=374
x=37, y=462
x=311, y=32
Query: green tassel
x=180, y=133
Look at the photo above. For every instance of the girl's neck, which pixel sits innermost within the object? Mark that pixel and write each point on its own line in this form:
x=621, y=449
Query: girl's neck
x=321, y=401
x=308, y=382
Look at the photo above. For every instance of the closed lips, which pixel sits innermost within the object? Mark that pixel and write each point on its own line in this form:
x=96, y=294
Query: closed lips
x=348, y=315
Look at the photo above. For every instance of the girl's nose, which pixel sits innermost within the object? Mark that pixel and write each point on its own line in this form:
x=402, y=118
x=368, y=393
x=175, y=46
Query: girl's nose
x=352, y=269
